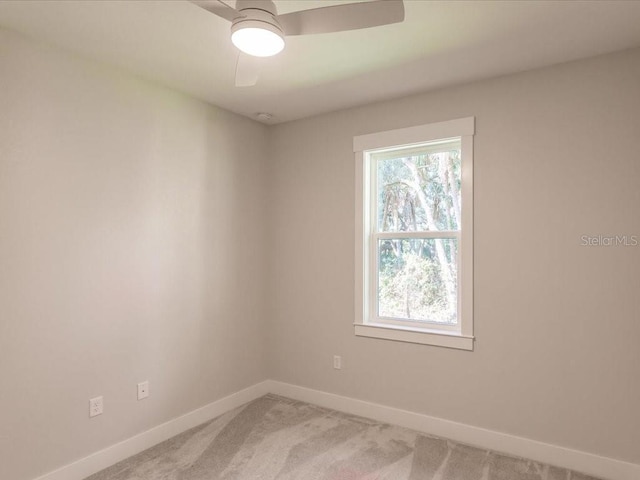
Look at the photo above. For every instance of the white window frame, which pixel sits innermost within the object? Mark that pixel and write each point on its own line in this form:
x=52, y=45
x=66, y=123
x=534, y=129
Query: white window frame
x=366, y=324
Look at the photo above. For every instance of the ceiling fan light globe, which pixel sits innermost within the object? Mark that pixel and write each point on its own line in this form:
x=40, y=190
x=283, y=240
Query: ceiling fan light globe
x=257, y=40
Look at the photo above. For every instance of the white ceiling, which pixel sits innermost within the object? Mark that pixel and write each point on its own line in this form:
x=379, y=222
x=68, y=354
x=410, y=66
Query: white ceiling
x=440, y=43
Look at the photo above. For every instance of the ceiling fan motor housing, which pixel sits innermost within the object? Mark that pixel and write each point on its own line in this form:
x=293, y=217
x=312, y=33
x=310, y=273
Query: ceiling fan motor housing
x=258, y=14
x=266, y=5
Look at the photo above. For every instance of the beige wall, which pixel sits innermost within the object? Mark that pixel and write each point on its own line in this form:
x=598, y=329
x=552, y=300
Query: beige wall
x=557, y=324
x=129, y=251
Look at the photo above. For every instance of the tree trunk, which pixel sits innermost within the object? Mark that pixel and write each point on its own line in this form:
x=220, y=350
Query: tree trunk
x=441, y=254
x=454, y=192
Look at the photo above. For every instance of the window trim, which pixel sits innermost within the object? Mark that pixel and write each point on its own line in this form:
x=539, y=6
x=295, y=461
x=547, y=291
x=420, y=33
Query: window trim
x=463, y=128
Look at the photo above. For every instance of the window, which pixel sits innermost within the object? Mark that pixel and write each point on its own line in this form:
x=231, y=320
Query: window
x=414, y=234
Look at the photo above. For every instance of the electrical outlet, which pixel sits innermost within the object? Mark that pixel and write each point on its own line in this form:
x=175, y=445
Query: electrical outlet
x=143, y=390
x=337, y=362
x=96, y=406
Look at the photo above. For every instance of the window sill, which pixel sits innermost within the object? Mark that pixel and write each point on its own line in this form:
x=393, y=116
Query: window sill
x=414, y=335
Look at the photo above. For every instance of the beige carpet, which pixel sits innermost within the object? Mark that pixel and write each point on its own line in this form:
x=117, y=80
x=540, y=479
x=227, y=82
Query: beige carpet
x=278, y=438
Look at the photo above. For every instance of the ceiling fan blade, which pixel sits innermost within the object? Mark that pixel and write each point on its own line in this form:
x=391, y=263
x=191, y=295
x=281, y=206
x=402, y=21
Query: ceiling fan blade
x=219, y=8
x=338, y=18
x=248, y=70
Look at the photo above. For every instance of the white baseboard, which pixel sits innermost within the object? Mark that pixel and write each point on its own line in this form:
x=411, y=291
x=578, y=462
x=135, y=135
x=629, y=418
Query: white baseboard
x=587, y=463
x=95, y=462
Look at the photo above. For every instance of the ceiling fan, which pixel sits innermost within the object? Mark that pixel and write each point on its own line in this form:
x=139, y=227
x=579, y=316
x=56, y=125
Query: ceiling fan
x=258, y=31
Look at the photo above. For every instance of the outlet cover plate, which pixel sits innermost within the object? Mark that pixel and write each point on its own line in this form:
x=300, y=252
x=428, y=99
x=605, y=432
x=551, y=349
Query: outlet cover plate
x=96, y=406
x=143, y=389
x=337, y=362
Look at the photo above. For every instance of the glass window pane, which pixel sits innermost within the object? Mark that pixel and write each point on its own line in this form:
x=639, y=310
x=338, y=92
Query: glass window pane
x=418, y=279
x=419, y=188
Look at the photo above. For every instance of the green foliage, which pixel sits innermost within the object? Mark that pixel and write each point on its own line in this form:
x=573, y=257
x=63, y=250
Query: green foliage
x=411, y=283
